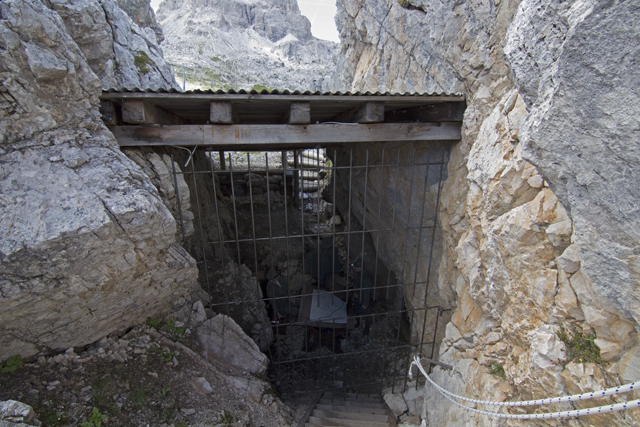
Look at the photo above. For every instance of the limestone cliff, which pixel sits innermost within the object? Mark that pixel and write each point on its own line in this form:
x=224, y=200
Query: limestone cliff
x=141, y=13
x=239, y=44
x=121, y=53
x=538, y=211
x=88, y=247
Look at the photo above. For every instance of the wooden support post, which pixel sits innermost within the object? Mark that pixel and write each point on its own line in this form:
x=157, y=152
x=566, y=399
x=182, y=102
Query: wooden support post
x=370, y=112
x=108, y=112
x=145, y=113
x=221, y=113
x=223, y=164
x=298, y=113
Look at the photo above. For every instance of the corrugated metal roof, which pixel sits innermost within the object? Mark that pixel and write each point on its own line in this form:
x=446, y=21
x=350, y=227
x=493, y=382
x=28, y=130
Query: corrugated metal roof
x=283, y=92
x=265, y=107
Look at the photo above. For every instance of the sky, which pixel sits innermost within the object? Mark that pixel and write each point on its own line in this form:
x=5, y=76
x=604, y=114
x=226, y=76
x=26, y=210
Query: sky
x=319, y=12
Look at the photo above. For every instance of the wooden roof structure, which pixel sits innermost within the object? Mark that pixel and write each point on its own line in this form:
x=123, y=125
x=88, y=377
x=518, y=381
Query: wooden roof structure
x=278, y=120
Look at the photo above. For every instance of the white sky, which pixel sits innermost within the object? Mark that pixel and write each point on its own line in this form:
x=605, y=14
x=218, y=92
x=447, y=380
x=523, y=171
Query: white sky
x=319, y=12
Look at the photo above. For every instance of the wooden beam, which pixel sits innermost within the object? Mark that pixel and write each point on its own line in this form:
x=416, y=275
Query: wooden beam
x=370, y=112
x=298, y=113
x=283, y=136
x=143, y=112
x=108, y=112
x=221, y=112
x=443, y=112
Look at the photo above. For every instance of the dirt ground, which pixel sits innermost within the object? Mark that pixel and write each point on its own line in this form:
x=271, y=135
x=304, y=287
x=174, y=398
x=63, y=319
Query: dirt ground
x=144, y=378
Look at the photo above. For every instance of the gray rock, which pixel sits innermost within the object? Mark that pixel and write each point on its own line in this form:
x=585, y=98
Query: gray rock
x=396, y=403
x=572, y=64
x=87, y=245
x=238, y=284
x=141, y=13
x=222, y=340
x=16, y=412
x=202, y=385
x=198, y=314
x=111, y=42
x=241, y=44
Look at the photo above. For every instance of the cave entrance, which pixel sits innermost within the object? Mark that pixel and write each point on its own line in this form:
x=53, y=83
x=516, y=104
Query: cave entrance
x=323, y=256
x=319, y=239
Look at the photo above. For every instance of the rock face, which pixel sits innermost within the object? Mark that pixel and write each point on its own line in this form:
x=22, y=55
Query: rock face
x=88, y=247
x=237, y=283
x=120, y=52
x=538, y=213
x=141, y=13
x=597, y=179
x=234, y=44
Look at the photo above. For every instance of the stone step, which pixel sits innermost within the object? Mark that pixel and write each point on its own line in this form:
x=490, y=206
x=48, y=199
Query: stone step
x=348, y=415
x=378, y=411
x=351, y=403
x=318, y=421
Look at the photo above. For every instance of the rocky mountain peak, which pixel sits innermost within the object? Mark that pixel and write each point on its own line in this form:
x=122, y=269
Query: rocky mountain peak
x=242, y=43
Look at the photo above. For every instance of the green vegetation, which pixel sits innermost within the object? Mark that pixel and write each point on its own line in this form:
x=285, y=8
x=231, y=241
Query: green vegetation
x=12, y=364
x=497, y=370
x=49, y=417
x=141, y=60
x=96, y=419
x=164, y=391
x=227, y=418
x=259, y=88
x=174, y=330
x=138, y=395
x=167, y=356
x=154, y=322
x=580, y=348
x=216, y=59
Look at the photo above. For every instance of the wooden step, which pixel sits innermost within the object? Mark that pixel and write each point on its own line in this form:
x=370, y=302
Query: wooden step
x=318, y=421
x=352, y=397
x=313, y=154
x=307, y=164
x=378, y=411
x=347, y=415
x=351, y=403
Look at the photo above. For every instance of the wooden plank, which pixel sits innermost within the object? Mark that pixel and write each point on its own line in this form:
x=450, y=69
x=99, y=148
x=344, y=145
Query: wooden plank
x=443, y=112
x=370, y=112
x=298, y=113
x=283, y=135
x=221, y=112
x=144, y=112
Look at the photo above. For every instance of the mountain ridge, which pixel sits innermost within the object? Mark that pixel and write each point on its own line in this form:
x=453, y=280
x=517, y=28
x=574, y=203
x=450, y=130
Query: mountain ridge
x=245, y=44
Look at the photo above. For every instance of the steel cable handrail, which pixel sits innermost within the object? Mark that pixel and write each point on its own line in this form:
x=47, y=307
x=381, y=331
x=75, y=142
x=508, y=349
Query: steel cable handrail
x=562, y=399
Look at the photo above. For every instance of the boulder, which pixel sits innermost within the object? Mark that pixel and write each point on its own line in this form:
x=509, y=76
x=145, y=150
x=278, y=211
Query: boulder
x=237, y=283
x=396, y=403
x=87, y=246
x=16, y=412
x=221, y=340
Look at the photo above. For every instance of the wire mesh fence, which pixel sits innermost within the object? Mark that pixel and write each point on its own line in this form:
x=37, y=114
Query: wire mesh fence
x=323, y=256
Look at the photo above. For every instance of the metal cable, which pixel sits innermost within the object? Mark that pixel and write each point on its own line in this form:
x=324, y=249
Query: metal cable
x=564, y=414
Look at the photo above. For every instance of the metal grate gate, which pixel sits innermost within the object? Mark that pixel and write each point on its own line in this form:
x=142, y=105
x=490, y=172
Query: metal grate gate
x=302, y=223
